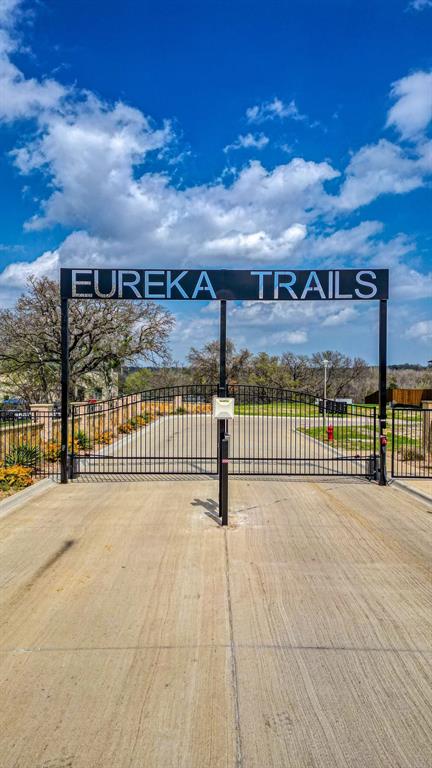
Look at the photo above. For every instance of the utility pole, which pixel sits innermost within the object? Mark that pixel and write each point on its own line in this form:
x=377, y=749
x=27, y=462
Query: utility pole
x=325, y=363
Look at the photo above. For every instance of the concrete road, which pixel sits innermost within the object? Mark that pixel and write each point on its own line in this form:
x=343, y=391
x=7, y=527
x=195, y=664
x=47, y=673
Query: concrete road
x=135, y=632
x=263, y=444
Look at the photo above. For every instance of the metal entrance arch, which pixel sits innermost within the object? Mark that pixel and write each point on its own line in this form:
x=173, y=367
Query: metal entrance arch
x=223, y=285
x=171, y=431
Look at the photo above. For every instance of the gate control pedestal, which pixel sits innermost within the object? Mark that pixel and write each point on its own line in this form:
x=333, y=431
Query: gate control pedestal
x=223, y=409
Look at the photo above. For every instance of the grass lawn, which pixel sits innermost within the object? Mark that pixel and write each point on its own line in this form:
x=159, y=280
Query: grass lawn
x=5, y=424
x=276, y=409
x=358, y=438
x=308, y=409
x=400, y=414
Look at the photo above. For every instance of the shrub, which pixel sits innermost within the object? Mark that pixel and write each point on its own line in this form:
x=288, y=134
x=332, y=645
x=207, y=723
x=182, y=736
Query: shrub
x=125, y=428
x=104, y=438
x=131, y=424
x=15, y=477
x=24, y=455
x=52, y=450
x=142, y=419
x=83, y=440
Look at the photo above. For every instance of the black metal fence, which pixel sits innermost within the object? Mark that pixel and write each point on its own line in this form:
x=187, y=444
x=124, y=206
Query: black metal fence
x=31, y=439
x=159, y=431
x=411, y=443
x=171, y=430
x=284, y=432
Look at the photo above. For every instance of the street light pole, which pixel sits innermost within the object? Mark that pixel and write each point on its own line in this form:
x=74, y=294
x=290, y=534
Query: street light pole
x=325, y=363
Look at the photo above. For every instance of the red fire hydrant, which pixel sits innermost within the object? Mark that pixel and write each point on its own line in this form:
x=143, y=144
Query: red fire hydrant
x=383, y=439
x=330, y=433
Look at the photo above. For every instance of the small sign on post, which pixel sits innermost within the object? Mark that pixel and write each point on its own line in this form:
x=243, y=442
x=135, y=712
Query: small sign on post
x=223, y=408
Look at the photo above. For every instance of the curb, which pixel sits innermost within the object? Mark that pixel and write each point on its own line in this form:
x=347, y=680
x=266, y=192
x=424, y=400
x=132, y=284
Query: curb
x=16, y=501
x=401, y=486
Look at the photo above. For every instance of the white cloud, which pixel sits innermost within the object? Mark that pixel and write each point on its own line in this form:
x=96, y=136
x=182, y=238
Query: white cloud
x=420, y=331
x=377, y=169
x=357, y=241
x=90, y=154
x=22, y=98
x=341, y=317
x=257, y=245
x=8, y=11
x=412, y=111
x=248, y=141
x=290, y=337
x=91, y=159
x=16, y=274
x=419, y=5
x=269, y=110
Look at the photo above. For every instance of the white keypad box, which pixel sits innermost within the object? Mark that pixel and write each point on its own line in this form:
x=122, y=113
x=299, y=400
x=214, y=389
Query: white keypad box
x=223, y=407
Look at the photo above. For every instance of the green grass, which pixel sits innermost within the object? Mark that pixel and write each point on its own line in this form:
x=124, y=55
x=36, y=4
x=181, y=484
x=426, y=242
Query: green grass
x=308, y=409
x=21, y=423
x=276, y=409
x=400, y=414
x=358, y=438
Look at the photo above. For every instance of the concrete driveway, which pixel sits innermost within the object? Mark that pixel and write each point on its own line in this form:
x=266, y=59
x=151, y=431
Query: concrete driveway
x=135, y=632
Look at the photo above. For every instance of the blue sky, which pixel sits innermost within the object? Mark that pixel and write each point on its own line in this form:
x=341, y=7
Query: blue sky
x=235, y=134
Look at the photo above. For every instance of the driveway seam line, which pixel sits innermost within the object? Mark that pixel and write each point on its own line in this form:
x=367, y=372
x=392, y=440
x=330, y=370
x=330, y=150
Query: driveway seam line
x=234, y=671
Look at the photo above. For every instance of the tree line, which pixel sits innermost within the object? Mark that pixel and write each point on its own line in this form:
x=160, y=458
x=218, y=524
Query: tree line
x=346, y=377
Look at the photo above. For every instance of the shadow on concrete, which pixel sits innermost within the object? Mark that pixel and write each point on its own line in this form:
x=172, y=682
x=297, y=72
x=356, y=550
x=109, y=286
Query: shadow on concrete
x=210, y=507
x=138, y=478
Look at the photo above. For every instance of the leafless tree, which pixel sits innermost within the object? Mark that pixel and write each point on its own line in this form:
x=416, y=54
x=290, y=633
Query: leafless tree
x=204, y=363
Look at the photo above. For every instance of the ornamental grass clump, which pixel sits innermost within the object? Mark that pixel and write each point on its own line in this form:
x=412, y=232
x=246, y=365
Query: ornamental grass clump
x=23, y=455
x=83, y=440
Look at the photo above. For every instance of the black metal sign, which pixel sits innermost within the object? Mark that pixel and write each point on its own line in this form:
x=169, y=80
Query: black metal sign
x=217, y=284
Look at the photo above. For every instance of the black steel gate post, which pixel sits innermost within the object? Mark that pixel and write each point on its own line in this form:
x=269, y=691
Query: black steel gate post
x=223, y=480
x=222, y=349
x=222, y=438
x=72, y=461
x=64, y=389
x=382, y=387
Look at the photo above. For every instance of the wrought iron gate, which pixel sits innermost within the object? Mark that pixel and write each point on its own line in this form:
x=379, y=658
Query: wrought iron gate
x=159, y=431
x=411, y=443
x=275, y=432
x=284, y=432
